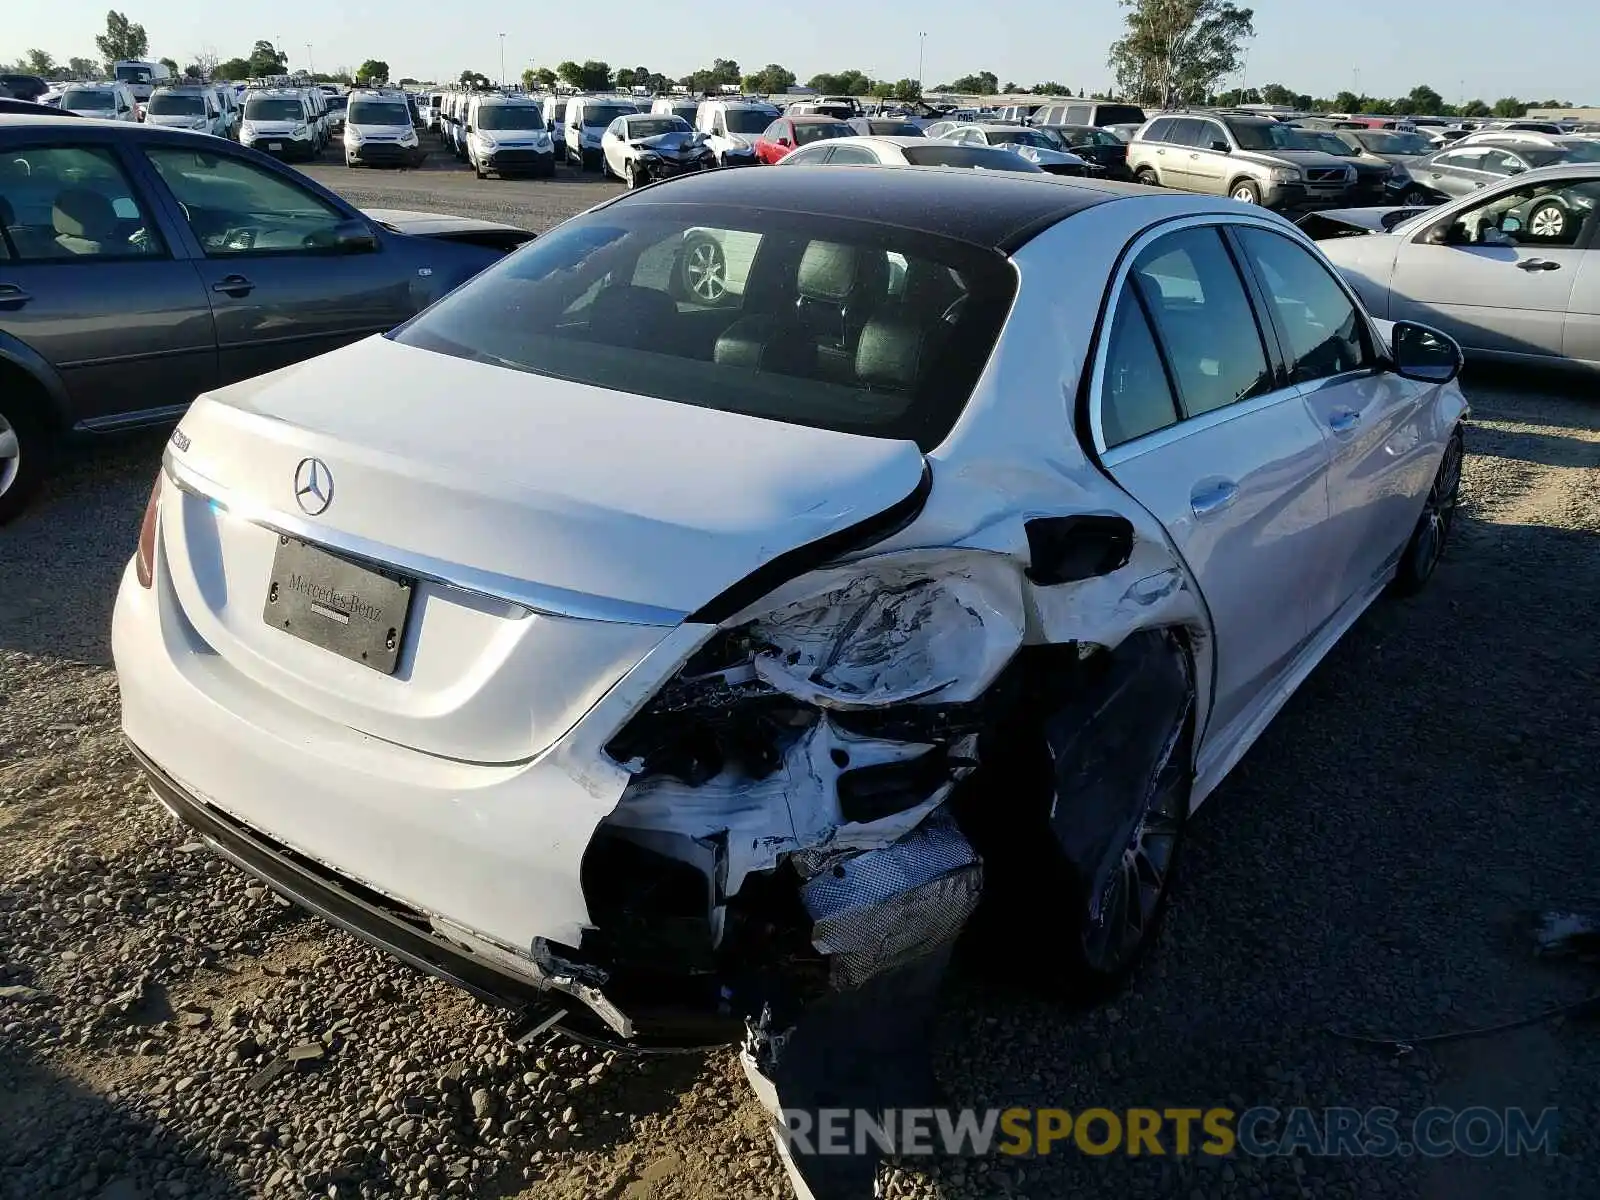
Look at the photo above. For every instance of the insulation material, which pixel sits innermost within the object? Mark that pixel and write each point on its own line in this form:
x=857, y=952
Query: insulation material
x=758, y=821
x=882, y=908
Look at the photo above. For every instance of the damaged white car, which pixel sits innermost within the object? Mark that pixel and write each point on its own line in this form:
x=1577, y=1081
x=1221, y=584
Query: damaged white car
x=685, y=672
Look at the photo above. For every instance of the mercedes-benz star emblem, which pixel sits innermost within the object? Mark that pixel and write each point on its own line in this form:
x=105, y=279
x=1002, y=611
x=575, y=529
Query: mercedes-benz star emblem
x=313, y=486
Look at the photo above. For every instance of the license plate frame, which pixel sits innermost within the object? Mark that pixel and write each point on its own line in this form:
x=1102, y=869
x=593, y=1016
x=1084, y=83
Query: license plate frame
x=349, y=608
x=274, y=145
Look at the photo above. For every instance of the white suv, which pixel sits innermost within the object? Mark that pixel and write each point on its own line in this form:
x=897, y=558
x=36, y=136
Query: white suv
x=378, y=130
x=732, y=127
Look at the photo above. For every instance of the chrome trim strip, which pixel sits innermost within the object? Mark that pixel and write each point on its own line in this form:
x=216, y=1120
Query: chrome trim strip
x=539, y=598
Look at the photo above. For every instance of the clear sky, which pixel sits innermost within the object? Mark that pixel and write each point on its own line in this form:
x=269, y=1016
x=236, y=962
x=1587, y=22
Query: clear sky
x=1317, y=48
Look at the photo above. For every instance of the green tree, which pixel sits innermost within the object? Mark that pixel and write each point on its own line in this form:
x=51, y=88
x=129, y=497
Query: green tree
x=233, y=68
x=473, y=79
x=1346, y=102
x=1050, y=88
x=83, y=68
x=984, y=83
x=906, y=89
x=1510, y=106
x=1427, y=102
x=542, y=77
x=845, y=83
x=374, y=70
x=1011, y=86
x=1474, y=108
x=770, y=80
x=170, y=64
x=38, y=62
x=122, y=39
x=266, y=59
x=624, y=77
x=409, y=80
x=1177, y=50
x=589, y=76
x=1276, y=93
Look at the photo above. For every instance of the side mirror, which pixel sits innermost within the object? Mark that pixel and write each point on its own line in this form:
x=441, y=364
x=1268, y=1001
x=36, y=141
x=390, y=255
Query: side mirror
x=1424, y=354
x=354, y=236
x=1220, y=146
x=783, y=141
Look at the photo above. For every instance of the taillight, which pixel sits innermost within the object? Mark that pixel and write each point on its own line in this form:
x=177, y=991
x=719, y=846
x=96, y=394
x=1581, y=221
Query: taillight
x=144, y=562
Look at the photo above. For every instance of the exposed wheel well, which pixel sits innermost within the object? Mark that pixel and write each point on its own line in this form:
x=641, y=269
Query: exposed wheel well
x=17, y=381
x=1234, y=185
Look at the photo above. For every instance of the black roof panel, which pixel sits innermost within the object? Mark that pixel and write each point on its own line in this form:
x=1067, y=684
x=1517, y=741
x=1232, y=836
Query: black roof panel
x=989, y=209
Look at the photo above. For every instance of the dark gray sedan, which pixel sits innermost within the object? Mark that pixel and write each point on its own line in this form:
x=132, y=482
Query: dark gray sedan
x=140, y=267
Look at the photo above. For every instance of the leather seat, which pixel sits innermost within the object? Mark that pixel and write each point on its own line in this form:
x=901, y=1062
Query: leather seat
x=637, y=318
x=767, y=343
x=85, y=222
x=838, y=287
x=897, y=350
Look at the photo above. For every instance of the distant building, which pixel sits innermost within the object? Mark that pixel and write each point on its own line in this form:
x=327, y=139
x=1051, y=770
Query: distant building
x=1560, y=114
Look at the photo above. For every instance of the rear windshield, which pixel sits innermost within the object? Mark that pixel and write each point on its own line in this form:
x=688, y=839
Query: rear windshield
x=336, y=103
x=98, y=101
x=510, y=116
x=937, y=154
x=893, y=129
x=177, y=106
x=379, y=112
x=273, y=108
x=738, y=309
x=558, y=110
x=128, y=74
x=1021, y=137
x=597, y=116
x=1382, y=142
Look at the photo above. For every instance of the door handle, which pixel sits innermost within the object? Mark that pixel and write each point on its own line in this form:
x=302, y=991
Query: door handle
x=1213, y=495
x=1527, y=264
x=233, y=285
x=1343, y=420
x=1195, y=154
x=10, y=293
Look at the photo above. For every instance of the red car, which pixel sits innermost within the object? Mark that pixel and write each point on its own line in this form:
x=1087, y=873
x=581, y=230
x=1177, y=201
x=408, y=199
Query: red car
x=786, y=133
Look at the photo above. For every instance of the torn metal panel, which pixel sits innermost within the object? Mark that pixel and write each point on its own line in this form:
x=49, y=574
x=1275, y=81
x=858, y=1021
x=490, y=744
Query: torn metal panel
x=882, y=908
x=894, y=629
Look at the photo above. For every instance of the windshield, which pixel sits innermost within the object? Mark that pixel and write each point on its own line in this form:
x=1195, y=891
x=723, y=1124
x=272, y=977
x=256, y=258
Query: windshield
x=746, y=120
x=643, y=127
x=1381, y=142
x=273, y=108
x=609, y=300
x=127, y=74
x=1020, y=137
x=1264, y=135
x=806, y=132
x=510, y=116
x=379, y=112
x=935, y=154
x=87, y=100
x=1328, y=143
x=336, y=103
x=598, y=116
x=177, y=106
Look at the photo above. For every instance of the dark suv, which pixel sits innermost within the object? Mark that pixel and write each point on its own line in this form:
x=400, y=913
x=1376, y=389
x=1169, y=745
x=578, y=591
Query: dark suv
x=22, y=87
x=142, y=266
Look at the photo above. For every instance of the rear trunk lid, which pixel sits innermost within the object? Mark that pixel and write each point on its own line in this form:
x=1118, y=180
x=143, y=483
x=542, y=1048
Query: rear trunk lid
x=552, y=533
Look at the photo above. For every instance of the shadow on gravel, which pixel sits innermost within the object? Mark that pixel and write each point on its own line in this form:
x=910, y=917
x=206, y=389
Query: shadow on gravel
x=1545, y=449
x=62, y=559
x=1370, y=867
x=59, y=1140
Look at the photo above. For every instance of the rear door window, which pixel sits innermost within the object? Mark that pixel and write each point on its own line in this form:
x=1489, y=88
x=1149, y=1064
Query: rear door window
x=72, y=203
x=1204, y=320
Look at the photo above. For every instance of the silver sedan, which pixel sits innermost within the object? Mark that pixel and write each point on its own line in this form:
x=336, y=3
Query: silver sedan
x=1510, y=271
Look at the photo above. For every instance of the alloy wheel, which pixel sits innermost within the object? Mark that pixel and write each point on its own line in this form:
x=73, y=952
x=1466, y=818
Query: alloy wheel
x=1548, y=222
x=1126, y=905
x=706, y=271
x=10, y=455
x=1244, y=194
x=1415, y=198
x=1438, y=512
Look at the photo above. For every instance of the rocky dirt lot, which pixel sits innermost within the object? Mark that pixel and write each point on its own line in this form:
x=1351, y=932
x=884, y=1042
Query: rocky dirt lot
x=169, y=1029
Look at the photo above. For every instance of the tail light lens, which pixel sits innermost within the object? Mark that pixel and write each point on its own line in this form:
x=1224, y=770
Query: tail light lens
x=144, y=562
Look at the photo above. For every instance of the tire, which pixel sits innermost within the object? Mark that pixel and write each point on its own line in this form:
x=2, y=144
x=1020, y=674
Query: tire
x=1548, y=222
x=1245, y=191
x=1426, y=547
x=478, y=169
x=703, y=271
x=25, y=448
x=630, y=178
x=1416, y=198
x=1147, y=177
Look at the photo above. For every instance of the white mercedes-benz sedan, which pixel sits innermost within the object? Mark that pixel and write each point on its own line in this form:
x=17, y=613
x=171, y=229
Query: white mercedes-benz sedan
x=673, y=669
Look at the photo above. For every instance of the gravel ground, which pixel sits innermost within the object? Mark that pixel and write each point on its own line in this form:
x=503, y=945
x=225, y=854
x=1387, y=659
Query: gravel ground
x=167, y=1028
